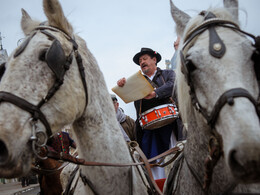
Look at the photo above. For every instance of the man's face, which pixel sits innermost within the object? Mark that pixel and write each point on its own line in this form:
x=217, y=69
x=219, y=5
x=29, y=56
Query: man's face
x=116, y=104
x=147, y=64
x=176, y=43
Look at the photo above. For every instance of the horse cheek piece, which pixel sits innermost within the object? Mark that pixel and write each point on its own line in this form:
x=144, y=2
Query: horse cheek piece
x=256, y=58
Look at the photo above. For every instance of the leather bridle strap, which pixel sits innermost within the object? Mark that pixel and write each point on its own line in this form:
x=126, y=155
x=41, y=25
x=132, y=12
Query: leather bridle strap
x=228, y=97
x=43, y=171
x=227, y=190
x=148, y=168
x=67, y=157
x=24, y=105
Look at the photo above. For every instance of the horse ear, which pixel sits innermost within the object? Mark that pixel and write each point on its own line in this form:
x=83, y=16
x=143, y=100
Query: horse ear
x=232, y=7
x=55, y=15
x=27, y=23
x=180, y=18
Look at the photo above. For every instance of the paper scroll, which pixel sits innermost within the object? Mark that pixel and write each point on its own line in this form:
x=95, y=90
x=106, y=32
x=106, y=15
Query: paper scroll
x=135, y=88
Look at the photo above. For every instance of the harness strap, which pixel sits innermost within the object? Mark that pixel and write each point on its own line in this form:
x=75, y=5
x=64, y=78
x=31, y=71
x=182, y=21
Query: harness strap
x=24, y=105
x=228, y=97
x=82, y=75
x=67, y=157
x=134, y=146
x=72, y=176
x=85, y=180
x=147, y=166
x=42, y=171
x=173, y=177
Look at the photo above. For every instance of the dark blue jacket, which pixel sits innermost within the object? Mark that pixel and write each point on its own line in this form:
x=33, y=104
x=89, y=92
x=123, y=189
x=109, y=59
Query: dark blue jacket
x=164, y=79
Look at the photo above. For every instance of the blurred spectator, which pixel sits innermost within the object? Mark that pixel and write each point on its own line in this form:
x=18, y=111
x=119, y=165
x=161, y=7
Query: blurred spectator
x=61, y=142
x=174, y=58
x=127, y=124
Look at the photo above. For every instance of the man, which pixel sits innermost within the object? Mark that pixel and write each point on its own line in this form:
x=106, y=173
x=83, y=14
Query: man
x=156, y=141
x=61, y=142
x=174, y=58
x=126, y=122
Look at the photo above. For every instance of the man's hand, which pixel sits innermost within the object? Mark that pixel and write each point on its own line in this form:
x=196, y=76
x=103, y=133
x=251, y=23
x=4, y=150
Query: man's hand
x=150, y=95
x=121, y=82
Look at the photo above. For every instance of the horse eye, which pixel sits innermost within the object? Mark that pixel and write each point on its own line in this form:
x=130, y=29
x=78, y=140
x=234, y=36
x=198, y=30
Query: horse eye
x=2, y=70
x=42, y=55
x=190, y=66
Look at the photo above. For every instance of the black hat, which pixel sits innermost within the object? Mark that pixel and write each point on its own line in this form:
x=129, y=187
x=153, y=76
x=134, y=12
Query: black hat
x=146, y=51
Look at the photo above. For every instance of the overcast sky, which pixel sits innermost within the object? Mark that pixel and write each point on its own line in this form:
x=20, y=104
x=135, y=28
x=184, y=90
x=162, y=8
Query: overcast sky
x=116, y=30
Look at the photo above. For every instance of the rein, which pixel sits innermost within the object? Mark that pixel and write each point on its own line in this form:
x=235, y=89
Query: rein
x=39, y=170
x=216, y=49
x=133, y=147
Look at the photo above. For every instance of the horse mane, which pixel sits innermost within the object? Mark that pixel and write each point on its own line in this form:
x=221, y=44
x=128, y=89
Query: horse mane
x=184, y=100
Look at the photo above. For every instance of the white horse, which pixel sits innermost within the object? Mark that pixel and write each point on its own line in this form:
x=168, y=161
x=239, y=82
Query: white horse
x=216, y=63
x=27, y=112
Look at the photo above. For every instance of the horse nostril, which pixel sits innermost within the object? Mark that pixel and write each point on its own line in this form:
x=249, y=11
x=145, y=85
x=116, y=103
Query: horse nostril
x=233, y=162
x=3, y=152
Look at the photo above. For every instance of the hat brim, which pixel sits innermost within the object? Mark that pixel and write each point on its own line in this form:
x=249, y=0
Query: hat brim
x=138, y=55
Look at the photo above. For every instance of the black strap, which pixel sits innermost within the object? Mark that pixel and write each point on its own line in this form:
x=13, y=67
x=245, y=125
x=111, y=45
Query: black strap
x=86, y=181
x=71, y=178
x=82, y=75
x=23, y=104
x=228, y=97
x=172, y=178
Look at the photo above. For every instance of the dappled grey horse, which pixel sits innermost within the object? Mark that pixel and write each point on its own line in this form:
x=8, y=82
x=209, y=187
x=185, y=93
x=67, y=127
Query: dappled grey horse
x=218, y=95
x=52, y=80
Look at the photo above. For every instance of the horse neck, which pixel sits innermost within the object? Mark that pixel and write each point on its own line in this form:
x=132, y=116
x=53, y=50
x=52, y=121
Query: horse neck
x=196, y=151
x=99, y=138
x=97, y=130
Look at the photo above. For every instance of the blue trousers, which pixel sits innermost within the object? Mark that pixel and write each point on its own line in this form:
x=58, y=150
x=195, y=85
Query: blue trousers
x=155, y=142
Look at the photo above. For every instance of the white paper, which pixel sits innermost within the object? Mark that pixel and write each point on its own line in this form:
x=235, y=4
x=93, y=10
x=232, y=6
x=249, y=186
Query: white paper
x=135, y=88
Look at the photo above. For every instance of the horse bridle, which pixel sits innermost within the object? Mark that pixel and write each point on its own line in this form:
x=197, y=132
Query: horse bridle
x=59, y=63
x=216, y=49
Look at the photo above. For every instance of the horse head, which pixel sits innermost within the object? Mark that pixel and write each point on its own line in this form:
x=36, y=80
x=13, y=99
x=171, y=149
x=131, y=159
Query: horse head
x=216, y=70
x=38, y=93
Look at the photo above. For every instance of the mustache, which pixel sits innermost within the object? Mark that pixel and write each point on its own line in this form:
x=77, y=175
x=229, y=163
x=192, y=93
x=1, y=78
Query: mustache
x=143, y=65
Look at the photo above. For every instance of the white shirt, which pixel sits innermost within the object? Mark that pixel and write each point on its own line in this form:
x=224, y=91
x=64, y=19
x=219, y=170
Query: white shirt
x=151, y=77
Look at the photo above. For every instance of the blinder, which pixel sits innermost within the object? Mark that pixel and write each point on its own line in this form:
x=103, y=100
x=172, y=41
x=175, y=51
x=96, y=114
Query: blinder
x=55, y=58
x=2, y=70
x=256, y=58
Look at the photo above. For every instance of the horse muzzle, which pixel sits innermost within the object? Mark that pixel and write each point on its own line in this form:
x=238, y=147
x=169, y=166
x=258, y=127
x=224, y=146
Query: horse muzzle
x=13, y=164
x=244, y=162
